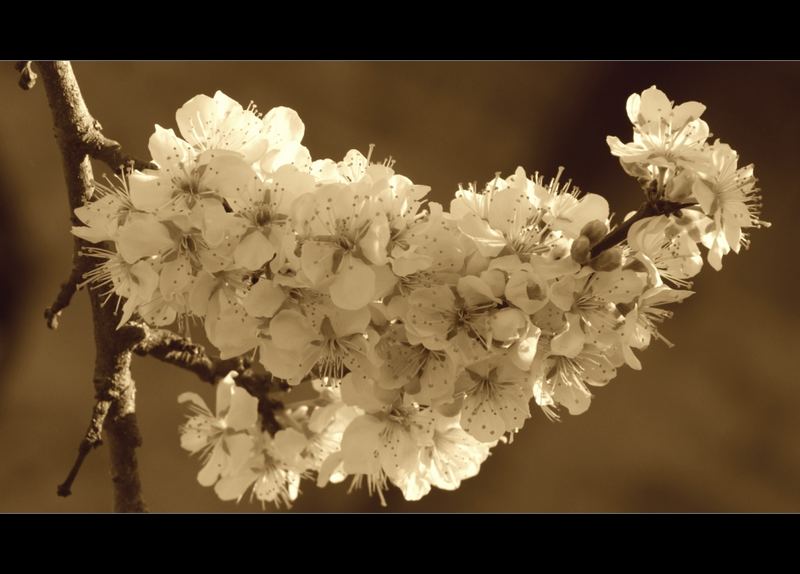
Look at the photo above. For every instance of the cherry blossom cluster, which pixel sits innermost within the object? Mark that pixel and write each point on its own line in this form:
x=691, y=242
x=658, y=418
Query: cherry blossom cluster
x=419, y=335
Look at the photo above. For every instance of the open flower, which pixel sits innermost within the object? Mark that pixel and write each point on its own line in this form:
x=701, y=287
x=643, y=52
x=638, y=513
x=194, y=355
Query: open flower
x=220, y=123
x=564, y=208
x=310, y=439
x=664, y=135
x=454, y=455
x=108, y=208
x=136, y=283
x=227, y=323
x=667, y=251
x=269, y=477
x=427, y=249
x=589, y=300
x=496, y=400
x=429, y=375
x=385, y=447
x=438, y=317
x=344, y=239
x=501, y=217
x=568, y=377
x=174, y=187
x=641, y=322
x=729, y=196
x=264, y=205
x=339, y=345
x=213, y=435
x=451, y=457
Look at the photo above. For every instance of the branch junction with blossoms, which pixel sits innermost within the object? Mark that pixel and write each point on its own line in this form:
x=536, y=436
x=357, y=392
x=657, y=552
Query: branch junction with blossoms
x=419, y=334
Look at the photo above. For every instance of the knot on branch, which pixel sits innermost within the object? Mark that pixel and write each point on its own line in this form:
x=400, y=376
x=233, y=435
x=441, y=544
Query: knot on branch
x=129, y=336
x=27, y=77
x=107, y=392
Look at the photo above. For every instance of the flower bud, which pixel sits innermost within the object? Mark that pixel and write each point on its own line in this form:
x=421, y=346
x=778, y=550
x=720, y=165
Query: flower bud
x=595, y=230
x=608, y=260
x=580, y=249
x=508, y=324
x=559, y=251
x=679, y=188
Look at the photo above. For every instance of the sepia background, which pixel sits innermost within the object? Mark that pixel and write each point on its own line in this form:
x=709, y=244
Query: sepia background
x=711, y=425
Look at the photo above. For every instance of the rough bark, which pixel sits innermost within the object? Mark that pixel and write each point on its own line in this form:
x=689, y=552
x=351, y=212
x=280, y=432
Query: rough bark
x=79, y=137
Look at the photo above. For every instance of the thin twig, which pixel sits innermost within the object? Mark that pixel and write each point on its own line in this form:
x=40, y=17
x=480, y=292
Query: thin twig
x=110, y=152
x=620, y=232
x=647, y=209
x=92, y=439
x=65, y=293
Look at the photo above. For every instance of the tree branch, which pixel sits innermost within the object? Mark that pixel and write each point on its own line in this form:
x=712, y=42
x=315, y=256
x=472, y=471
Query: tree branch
x=87, y=135
x=181, y=352
x=186, y=354
x=78, y=136
x=176, y=350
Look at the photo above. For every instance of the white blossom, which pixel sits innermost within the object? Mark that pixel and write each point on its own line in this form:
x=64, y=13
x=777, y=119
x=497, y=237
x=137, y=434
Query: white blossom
x=664, y=135
x=729, y=196
x=211, y=434
x=415, y=338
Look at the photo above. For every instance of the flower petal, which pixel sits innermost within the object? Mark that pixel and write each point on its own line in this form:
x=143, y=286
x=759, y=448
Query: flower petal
x=283, y=125
x=243, y=411
x=148, y=192
x=291, y=330
x=360, y=444
x=253, y=251
x=489, y=241
x=374, y=242
x=263, y=299
x=317, y=260
x=215, y=465
x=354, y=285
x=569, y=342
x=170, y=153
x=143, y=236
x=233, y=487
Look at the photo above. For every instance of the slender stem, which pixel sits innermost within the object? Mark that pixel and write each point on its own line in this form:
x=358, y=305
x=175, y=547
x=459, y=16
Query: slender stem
x=92, y=439
x=647, y=209
x=620, y=232
x=67, y=290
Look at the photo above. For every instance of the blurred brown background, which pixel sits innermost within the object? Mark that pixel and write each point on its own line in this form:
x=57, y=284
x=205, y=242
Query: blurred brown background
x=711, y=425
